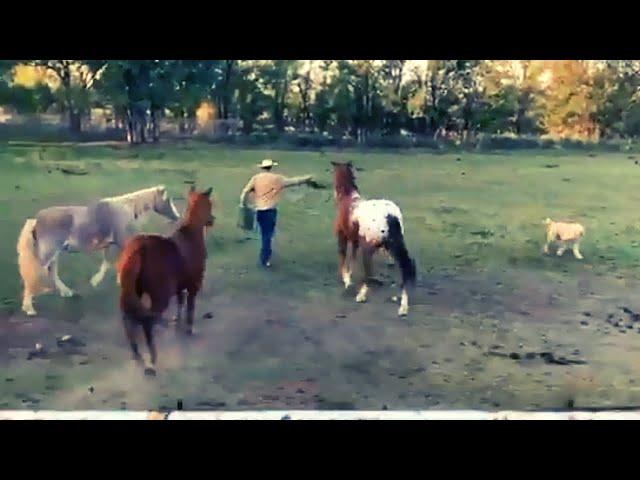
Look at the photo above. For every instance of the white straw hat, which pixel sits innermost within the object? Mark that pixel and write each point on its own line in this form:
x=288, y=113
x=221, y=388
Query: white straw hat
x=267, y=162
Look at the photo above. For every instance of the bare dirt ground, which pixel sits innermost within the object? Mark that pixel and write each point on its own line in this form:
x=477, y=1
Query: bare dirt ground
x=488, y=341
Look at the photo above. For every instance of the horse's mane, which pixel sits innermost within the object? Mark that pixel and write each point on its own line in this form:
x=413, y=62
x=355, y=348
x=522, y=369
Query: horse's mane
x=344, y=180
x=137, y=196
x=137, y=200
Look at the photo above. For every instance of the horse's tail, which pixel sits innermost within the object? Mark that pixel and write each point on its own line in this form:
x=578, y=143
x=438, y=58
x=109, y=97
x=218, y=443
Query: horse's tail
x=394, y=243
x=34, y=275
x=129, y=268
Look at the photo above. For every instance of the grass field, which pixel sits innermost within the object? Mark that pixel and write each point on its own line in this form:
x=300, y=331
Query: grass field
x=487, y=304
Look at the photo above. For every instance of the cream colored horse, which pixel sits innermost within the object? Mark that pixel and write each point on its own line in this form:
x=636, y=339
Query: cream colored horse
x=86, y=228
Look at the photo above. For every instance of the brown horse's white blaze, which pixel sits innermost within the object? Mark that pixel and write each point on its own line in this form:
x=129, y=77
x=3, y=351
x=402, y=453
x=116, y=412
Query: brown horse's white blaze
x=372, y=225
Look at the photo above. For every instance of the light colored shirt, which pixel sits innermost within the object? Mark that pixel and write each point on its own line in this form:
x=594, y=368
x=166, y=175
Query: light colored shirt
x=267, y=188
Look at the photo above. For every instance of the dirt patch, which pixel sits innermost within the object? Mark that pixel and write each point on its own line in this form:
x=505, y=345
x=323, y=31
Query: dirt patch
x=256, y=350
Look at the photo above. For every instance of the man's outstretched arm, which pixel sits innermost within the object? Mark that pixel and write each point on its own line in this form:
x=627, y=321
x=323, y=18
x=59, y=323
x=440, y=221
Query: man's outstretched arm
x=293, y=181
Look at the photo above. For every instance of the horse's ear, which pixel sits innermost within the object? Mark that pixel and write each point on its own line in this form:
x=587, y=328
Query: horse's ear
x=208, y=191
x=349, y=164
x=192, y=189
x=335, y=164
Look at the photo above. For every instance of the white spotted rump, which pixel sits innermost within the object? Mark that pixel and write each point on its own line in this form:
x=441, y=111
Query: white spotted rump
x=371, y=216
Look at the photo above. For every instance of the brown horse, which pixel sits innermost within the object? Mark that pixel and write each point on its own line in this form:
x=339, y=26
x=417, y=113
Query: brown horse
x=372, y=224
x=160, y=267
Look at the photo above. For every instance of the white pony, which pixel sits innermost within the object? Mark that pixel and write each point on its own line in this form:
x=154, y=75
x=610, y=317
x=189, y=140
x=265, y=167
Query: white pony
x=87, y=228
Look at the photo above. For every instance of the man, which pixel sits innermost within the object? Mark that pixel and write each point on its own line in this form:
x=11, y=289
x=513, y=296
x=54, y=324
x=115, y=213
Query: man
x=267, y=189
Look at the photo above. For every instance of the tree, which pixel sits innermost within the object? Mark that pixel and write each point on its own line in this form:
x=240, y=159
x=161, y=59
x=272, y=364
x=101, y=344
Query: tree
x=76, y=79
x=513, y=94
x=224, y=85
x=395, y=96
x=569, y=111
x=321, y=109
x=615, y=95
x=277, y=76
x=125, y=85
x=434, y=96
x=301, y=99
x=251, y=101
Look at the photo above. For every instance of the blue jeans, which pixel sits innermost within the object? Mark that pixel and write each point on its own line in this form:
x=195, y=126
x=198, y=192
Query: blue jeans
x=267, y=222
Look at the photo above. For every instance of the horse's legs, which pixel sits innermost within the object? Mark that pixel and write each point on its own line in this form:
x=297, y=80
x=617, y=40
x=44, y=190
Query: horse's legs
x=367, y=255
x=550, y=238
x=404, y=303
x=408, y=282
x=104, y=267
x=27, y=304
x=180, y=305
x=342, y=260
x=354, y=255
x=130, y=332
x=53, y=275
x=191, y=305
x=561, y=249
x=576, y=251
x=147, y=328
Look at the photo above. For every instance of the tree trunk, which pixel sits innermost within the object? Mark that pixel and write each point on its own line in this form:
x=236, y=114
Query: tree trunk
x=130, y=131
x=137, y=125
x=191, y=121
x=142, y=124
x=154, y=126
x=247, y=125
x=226, y=96
x=181, y=122
x=75, y=121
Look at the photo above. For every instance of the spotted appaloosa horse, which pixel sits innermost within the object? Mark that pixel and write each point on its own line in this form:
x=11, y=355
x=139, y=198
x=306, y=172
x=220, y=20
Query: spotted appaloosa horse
x=160, y=268
x=371, y=224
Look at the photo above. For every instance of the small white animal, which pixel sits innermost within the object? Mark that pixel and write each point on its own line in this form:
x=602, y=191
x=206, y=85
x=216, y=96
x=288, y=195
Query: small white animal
x=565, y=235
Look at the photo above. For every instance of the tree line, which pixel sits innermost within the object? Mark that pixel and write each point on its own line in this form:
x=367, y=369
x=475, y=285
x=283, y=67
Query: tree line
x=354, y=98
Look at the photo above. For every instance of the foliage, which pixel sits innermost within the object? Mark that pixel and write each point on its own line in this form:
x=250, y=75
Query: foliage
x=446, y=100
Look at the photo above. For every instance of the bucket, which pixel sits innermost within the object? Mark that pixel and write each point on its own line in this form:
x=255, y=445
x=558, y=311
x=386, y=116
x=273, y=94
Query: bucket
x=246, y=218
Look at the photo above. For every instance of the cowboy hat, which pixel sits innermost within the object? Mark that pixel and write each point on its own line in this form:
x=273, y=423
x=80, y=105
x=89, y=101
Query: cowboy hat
x=267, y=163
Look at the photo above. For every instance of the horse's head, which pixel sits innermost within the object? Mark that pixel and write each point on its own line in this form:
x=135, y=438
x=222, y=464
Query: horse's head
x=344, y=180
x=163, y=204
x=199, y=206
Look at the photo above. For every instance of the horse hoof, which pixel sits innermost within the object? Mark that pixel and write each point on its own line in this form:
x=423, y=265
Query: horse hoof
x=30, y=313
x=150, y=372
x=67, y=293
x=361, y=299
x=403, y=311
